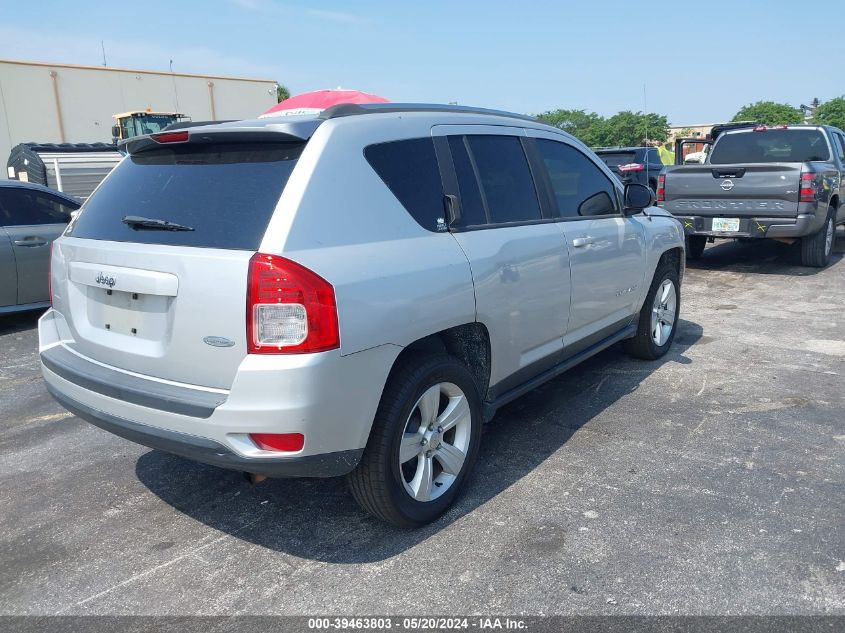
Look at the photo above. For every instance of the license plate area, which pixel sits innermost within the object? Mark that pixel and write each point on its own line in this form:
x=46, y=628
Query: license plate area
x=726, y=225
x=132, y=314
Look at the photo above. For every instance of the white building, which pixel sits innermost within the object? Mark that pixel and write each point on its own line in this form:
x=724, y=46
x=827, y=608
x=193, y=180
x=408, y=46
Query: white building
x=61, y=103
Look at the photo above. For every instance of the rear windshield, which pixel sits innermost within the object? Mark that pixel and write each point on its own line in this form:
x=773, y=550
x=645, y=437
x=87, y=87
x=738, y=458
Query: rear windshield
x=225, y=192
x=614, y=160
x=770, y=146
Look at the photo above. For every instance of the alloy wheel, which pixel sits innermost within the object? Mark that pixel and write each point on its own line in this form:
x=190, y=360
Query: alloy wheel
x=663, y=312
x=435, y=441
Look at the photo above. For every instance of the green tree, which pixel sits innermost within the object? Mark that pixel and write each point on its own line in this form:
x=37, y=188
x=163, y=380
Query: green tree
x=585, y=126
x=770, y=113
x=630, y=129
x=831, y=113
x=282, y=93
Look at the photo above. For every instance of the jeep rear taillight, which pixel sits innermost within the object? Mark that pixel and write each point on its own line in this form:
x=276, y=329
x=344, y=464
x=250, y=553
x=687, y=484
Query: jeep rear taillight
x=290, y=309
x=809, y=187
x=661, y=188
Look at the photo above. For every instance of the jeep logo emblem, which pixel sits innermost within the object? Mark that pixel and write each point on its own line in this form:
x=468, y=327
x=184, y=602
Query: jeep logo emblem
x=218, y=341
x=727, y=184
x=105, y=280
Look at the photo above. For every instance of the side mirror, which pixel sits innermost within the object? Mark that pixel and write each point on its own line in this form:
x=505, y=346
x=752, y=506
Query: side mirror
x=115, y=131
x=637, y=197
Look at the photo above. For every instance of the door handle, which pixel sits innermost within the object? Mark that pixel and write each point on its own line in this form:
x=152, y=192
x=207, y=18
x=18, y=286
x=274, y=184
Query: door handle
x=31, y=241
x=579, y=242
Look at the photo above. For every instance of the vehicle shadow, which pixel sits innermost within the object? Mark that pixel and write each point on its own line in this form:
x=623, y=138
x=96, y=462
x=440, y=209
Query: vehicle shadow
x=317, y=519
x=19, y=321
x=763, y=257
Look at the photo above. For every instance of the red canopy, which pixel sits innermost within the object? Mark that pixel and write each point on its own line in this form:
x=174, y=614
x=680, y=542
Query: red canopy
x=314, y=102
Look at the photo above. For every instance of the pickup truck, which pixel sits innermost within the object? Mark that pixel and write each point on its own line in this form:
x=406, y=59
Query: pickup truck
x=757, y=182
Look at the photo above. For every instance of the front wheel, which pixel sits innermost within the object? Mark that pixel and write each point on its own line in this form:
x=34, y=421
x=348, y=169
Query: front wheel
x=659, y=315
x=423, y=443
x=816, y=248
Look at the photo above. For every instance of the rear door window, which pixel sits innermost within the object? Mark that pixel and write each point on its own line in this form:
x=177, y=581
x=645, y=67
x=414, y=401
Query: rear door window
x=770, y=146
x=507, y=187
x=20, y=206
x=840, y=146
x=409, y=169
x=472, y=204
x=225, y=192
x=580, y=187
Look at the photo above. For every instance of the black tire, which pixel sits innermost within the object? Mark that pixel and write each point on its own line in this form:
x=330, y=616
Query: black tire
x=695, y=246
x=377, y=482
x=643, y=345
x=815, y=248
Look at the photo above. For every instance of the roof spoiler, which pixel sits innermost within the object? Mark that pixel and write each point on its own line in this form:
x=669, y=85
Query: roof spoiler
x=227, y=132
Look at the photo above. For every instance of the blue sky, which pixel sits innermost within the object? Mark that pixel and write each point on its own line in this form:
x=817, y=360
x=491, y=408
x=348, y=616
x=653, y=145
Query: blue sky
x=526, y=57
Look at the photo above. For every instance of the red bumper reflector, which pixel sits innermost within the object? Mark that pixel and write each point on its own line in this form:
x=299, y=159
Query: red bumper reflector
x=280, y=442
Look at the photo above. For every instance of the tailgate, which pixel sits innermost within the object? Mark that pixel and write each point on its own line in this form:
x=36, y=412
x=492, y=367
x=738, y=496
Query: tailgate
x=765, y=190
x=148, y=309
x=151, y=277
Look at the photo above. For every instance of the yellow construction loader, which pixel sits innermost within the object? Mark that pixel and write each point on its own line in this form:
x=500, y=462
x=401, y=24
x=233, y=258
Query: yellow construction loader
x=140, y=122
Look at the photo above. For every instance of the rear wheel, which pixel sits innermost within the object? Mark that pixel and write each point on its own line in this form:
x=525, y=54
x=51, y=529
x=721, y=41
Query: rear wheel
x=423, y=443
x=695, y=246
x=659, y=315
x=816, y=248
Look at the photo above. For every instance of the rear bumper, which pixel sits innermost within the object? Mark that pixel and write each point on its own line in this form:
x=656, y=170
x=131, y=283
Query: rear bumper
x=754, y=227
x=207, y=451
x=329, y=398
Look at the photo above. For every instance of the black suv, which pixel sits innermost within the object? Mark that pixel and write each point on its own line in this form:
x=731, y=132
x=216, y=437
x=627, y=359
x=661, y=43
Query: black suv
x=633, y=164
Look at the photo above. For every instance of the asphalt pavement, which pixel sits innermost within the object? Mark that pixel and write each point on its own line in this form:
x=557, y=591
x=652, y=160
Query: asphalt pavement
x=711, y=481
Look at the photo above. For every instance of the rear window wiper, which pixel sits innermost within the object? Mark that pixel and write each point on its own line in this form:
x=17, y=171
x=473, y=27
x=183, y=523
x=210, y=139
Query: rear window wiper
x=138, y=222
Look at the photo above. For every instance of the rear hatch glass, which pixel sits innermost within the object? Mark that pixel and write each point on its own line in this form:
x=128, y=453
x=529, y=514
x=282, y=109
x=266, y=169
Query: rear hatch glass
x=770, y=146
x=225, y=193
x=616, y=159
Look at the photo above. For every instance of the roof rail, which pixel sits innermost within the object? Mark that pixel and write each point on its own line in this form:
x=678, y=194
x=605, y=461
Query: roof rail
x=355, y=109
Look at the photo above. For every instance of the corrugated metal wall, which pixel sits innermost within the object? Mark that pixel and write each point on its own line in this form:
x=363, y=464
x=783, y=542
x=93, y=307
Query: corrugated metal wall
x=74, y=104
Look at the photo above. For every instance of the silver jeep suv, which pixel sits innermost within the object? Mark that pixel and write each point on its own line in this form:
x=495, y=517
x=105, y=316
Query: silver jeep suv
x=350, y=294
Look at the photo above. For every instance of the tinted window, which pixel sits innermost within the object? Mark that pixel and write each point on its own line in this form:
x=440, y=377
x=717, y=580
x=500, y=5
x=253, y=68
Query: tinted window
x=225, y=192
x=409, y=169
x=506, y=182
x=580, y=187
x=654, y=157
x=840, y=141
x=22, y=207
x=472, y=206
x=770, y=146
x=615, y=159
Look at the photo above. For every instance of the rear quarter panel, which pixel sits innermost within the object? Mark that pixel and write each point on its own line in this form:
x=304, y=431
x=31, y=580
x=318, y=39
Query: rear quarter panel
x=395, y=281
